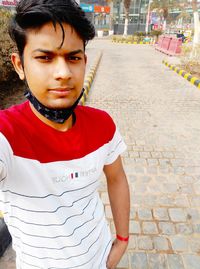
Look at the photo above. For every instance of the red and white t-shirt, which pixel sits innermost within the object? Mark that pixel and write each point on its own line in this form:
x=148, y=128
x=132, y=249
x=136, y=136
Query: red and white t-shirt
x=49, y=187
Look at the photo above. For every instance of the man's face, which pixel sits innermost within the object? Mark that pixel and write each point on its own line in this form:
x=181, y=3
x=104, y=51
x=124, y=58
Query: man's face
x=54, y=75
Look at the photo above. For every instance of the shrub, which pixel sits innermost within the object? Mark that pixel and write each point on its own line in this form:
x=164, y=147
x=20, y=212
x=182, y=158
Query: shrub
x=7, y=72
x=139, y=33
x=136, y=38
x=156, y=33
x=129, y=38
x=190, y=59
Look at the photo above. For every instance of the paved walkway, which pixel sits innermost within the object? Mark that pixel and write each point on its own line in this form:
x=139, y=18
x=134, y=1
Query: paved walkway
x=158, y=114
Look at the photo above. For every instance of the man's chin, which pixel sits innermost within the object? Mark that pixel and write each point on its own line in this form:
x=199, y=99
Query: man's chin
x=59, y=105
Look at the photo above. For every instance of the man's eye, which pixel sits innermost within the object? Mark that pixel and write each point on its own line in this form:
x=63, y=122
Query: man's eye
x=44, y=58
x=74, y=58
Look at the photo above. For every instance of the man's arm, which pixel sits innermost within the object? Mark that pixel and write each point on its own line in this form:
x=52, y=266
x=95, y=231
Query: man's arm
x=2, y=172
x=118, y=191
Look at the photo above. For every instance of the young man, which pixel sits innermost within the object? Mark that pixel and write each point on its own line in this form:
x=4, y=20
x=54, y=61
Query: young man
x=52, y=152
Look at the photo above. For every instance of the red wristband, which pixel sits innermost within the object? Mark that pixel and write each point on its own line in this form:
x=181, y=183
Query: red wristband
x=120, y=238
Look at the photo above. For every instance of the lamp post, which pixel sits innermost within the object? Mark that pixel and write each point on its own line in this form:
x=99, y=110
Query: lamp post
x=118, y=10
x=148, y=16
x=118, y=16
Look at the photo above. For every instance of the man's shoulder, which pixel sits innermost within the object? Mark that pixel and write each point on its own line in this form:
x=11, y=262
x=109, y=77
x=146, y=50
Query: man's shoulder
x=10, y=116
x=97, y=123
x=13, y=109
x=94, y=114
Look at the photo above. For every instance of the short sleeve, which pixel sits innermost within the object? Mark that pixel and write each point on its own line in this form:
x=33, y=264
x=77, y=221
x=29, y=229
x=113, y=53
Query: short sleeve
x=115, y=147
x=3, y=159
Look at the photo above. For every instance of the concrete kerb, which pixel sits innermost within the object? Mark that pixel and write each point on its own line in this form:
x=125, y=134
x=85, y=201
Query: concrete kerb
x=90, y=77
x=194, y=80
x=133, y=43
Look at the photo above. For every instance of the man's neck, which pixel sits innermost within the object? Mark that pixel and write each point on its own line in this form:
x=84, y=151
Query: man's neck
x=60, y=127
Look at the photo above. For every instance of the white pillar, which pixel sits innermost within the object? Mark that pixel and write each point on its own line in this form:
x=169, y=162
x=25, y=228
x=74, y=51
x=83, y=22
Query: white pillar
x=147, y=18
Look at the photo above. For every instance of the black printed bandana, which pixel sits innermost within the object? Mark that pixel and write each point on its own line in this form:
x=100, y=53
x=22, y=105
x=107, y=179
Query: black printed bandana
x=55, y=115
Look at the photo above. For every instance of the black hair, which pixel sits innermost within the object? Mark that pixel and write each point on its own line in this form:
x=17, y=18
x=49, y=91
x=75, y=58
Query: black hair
x=33, y=14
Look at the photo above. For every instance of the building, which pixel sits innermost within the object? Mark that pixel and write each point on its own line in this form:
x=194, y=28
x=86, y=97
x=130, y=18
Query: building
x=180, y=17
x=137, y=16
x=99, y=12
x=109, y=15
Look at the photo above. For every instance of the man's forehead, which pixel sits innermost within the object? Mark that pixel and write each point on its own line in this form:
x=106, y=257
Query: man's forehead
x=51, y=38
x=50, y=26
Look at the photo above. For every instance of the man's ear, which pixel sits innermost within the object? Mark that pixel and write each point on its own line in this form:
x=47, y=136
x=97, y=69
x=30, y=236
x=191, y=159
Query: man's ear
x=16, y=61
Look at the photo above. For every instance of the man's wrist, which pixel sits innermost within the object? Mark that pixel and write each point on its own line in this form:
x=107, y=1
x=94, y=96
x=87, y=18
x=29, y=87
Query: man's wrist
x=122, y=238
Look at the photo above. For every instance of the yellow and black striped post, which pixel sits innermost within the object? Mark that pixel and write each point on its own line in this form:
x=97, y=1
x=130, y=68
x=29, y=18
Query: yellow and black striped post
x=194, y=80
x=89, y=78
x=133, y=42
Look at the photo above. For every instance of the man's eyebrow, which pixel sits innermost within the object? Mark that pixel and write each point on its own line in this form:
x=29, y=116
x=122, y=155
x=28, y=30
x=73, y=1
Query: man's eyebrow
x=74, y=52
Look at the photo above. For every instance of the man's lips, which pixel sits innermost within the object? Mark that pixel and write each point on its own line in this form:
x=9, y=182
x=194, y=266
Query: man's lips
x=61, y=91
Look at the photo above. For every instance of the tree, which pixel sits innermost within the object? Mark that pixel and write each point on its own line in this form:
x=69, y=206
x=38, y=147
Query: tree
x=127, y=4
x=183, y=4
x=194, y=4
x=196, y=38
x=7, y=72
x=162, y=7
x=110, y=3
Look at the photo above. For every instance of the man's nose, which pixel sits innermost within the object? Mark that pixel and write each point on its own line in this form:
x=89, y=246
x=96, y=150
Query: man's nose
x=62, y=69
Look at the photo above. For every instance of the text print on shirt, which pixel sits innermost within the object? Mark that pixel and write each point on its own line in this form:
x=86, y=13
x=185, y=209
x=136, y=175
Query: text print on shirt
x=74, y=175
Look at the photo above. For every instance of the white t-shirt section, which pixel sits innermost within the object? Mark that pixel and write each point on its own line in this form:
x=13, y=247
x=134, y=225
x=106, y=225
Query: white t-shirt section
x=53, y=210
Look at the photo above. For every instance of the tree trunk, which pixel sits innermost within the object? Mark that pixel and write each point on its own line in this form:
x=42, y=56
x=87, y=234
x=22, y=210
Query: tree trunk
x=126, y=9
x=196, y=38
x=164, y=24
x=126, y=26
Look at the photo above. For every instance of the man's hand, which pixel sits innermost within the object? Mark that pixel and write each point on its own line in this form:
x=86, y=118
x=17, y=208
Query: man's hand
x=116, y=253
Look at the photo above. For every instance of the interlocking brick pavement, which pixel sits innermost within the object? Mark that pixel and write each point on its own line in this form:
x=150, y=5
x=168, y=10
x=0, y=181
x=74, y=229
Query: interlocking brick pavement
x=157, y=113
